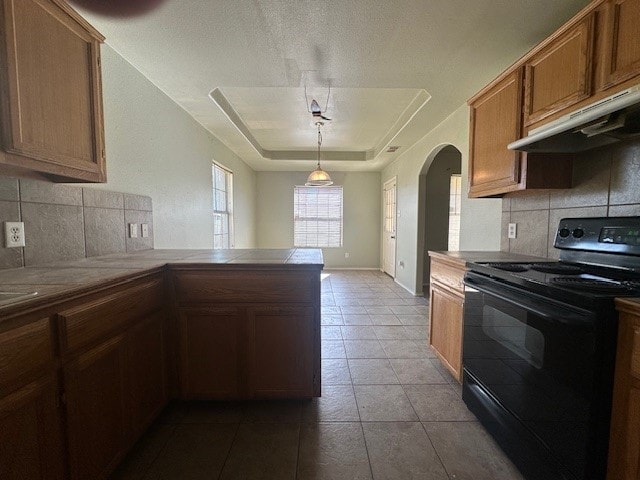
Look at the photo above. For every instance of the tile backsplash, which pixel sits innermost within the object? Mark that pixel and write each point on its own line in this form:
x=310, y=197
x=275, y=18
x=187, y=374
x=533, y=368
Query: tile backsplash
x=65, y=222
x=606, y=183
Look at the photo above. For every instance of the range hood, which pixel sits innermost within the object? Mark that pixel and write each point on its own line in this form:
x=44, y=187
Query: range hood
x=604, y=122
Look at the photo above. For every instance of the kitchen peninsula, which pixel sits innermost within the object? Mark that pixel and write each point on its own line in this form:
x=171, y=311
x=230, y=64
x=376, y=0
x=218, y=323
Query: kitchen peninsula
x=108, y=341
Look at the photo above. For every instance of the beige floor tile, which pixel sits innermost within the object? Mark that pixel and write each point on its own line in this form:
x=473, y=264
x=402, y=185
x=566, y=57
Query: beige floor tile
x=213, y=412
x=358, y=332
x=383, y=403
x=333, y=451
x=337, y=404
x=403, y=349
x=469, y=453
x=384, y=320
x=273, y=411
x=333, y=349
x=372, y=371
x=263, y=451
x=378, y=310
x=417, y=332
x=437, y=403
x=335, y=371
x=331, y=319
x=136, y=464
x=364, y=349
x=416, y=371
x=195, y=452
x=410, y=320
x=386, y=332
x=401, y=451
x=329, y=332
x=357, y=319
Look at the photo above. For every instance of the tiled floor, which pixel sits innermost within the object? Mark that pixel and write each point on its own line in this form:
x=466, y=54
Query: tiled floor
x=388, y=409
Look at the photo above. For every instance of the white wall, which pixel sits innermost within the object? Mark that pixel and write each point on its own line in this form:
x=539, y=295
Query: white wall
x=480, y=218
x=361, y=216
x=155, y=148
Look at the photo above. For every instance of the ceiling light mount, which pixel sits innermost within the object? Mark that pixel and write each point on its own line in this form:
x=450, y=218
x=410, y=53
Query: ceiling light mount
x=319, y=178
x=314, y=107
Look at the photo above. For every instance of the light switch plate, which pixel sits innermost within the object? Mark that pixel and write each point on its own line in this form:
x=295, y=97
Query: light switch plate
x=144, y=227
x=133, y=230
x=512, y=232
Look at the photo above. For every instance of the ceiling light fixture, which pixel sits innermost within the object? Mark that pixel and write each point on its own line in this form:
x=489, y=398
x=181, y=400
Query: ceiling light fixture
x=319, y=178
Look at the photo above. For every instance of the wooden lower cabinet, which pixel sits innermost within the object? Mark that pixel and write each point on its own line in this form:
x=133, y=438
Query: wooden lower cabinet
x=445, y=313
x=97, y=417
x=247, y=332
x=31, y=441
x=624, y=442
x=446, y=305
x=256, y=351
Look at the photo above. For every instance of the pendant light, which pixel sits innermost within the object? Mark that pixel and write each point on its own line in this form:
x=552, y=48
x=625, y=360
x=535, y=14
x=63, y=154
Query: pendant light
x=319, y=178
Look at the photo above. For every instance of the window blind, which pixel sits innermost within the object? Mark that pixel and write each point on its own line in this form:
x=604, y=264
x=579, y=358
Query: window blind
x=317, y=216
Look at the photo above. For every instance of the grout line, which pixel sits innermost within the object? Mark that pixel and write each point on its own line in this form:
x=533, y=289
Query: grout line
x=226, y=459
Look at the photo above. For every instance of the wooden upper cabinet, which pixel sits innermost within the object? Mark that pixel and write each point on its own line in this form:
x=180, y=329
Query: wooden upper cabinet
x=560, y=74
x=621, y=45
x=495, y=122
x=52, y=119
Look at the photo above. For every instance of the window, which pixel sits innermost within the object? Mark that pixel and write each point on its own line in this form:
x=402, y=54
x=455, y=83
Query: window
x=222, y=207
x=455, y=197
x=317, y=216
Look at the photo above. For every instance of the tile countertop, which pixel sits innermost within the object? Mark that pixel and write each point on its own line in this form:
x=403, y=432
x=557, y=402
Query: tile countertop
x=462, y=258
x=60, y=279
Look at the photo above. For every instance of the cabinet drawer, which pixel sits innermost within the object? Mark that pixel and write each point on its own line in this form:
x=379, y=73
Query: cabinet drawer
x=88, y=323
x=447, y=276
x=24, y=353
x=244, y=287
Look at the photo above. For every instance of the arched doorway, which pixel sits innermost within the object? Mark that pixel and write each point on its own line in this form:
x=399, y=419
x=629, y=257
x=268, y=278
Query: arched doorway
x=437, y=206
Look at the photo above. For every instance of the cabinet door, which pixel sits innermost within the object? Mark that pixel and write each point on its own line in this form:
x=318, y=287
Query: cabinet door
x=53, y=109
x=95, y=385
x=621, y=56
x=147, y=370
x=624, y=443
x=495, y=122
x=31, y=446
x=210, y=352
x=445, y=328
x=281, y=351
x=560, y=74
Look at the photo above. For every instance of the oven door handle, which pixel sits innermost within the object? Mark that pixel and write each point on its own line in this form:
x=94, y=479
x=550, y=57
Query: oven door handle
x=554, y=312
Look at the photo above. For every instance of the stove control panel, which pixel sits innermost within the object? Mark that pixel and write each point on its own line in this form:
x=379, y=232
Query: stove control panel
x=600, y=234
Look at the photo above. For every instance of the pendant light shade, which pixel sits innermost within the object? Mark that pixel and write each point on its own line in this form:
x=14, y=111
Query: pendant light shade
x=319, y=178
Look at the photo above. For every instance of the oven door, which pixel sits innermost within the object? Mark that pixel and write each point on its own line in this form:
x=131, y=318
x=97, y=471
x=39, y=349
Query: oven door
x=532, y=361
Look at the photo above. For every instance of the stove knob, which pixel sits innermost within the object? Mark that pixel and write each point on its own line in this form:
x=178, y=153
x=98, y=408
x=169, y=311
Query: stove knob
x=578, y=233
x=564, y=232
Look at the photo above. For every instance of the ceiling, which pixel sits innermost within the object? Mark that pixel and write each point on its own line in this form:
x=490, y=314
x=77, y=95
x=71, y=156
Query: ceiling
x=396, y=68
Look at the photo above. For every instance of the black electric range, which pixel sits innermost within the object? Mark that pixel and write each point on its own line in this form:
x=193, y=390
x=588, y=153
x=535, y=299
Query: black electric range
x=539, y=347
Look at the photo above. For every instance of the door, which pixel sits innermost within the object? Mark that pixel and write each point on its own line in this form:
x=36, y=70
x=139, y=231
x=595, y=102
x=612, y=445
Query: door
x=389, y=228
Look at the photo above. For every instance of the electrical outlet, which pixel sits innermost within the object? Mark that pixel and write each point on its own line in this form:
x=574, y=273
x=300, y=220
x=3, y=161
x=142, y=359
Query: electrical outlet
x=14, y=234
x=512, y=232
x=144, y=227
x=346, y=255
x=133, y=230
